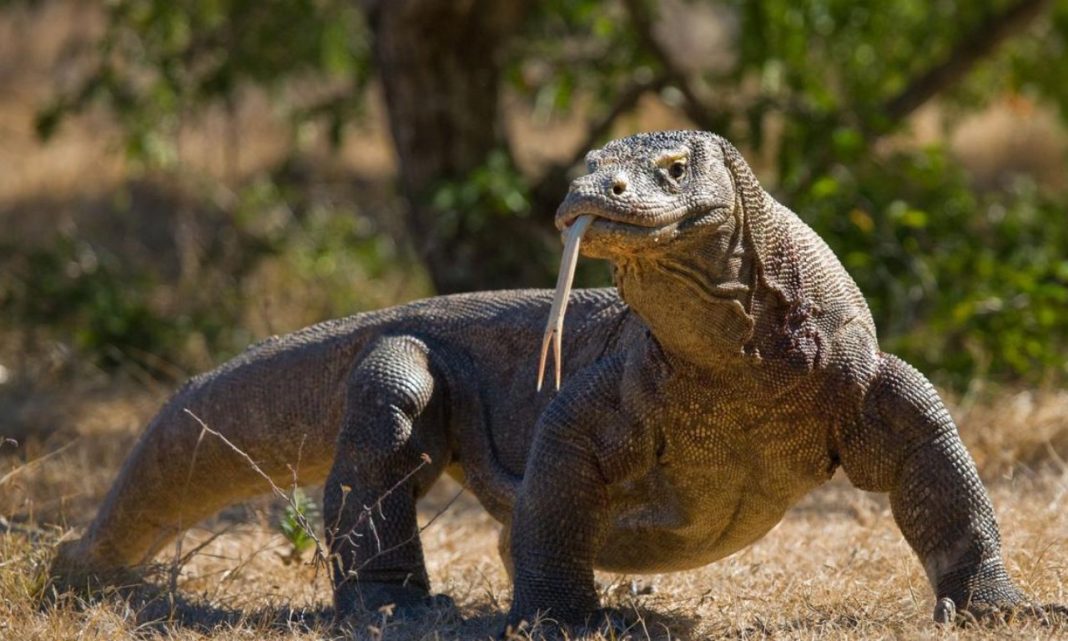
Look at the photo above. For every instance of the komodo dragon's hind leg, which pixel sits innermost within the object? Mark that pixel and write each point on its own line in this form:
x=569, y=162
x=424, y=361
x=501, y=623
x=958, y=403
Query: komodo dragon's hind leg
x=395, y=416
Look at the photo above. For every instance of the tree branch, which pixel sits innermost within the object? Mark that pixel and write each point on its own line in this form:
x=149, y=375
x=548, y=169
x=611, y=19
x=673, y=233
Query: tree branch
x=977, y=45
x=969, y=51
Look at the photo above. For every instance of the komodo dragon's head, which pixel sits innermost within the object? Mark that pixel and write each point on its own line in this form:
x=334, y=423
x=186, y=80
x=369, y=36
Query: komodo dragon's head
x=649, y=190
x=642, y=195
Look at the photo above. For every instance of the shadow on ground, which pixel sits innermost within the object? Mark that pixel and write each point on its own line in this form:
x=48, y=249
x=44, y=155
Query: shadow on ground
x=160, y=612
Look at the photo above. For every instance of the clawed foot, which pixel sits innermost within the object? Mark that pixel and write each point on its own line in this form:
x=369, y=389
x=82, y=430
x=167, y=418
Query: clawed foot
x=980, y=613
x=375, y=603
x=606, y=622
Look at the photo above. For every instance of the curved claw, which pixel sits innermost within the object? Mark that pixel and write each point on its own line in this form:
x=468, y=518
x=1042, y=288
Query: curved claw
x=554, y=328
x=945, y=612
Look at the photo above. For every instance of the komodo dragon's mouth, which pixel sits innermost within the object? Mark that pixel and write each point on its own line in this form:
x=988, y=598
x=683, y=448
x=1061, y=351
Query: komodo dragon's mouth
x=574, y=224
x=607, y=216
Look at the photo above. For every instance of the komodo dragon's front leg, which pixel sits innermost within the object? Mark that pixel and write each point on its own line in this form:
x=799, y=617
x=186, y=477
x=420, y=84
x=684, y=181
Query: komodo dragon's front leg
x=905, y=443
x=585, y=441
x=394, y=418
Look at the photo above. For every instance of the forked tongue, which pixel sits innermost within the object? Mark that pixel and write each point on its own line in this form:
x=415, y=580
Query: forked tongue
x=555, y=327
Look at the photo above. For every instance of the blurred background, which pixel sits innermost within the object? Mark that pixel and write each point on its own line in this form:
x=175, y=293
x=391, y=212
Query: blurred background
x=179, y=178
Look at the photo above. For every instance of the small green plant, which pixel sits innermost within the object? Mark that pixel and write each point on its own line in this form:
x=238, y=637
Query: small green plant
x=299, y=513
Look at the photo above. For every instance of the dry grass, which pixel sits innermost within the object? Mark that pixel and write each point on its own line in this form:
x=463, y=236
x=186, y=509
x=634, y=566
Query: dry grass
x=835, y=568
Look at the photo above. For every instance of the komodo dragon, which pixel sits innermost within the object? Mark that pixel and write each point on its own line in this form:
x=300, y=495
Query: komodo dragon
x=732, y=369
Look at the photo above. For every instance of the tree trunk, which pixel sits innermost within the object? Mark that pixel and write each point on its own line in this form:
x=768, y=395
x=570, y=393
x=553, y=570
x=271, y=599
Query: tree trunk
x=440, y=64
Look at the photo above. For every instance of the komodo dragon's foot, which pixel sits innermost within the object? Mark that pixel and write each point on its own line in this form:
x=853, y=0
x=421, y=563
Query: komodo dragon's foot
x=371, y=600
x=976, y=612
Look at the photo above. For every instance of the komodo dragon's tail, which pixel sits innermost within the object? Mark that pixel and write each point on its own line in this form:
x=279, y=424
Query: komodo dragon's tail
x=278, y=404
x=274, y=411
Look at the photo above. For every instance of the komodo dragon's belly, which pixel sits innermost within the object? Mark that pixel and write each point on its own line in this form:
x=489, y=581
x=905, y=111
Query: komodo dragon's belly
x=720, y=484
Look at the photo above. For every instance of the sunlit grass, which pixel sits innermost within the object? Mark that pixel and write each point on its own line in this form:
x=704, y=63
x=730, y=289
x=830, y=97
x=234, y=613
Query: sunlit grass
x=835, y=568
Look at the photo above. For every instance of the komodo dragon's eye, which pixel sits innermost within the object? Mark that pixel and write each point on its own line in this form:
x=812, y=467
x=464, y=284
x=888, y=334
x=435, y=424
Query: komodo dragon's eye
x=677, y=169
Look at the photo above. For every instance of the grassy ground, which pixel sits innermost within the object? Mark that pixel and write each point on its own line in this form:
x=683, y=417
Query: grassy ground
x=835, y=568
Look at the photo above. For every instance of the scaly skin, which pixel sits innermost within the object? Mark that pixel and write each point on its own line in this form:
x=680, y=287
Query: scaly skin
x=735, y=370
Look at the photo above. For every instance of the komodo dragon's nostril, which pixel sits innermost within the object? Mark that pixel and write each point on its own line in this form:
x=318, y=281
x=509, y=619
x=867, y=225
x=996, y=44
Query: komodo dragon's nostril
x=619, y=185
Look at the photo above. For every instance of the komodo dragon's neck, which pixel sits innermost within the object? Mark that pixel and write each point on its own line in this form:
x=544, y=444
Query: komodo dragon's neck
x=703, y=300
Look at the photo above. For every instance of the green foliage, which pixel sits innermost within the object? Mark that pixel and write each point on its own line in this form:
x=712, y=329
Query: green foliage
x=161, y=61
x=104, y=307
x=494, y=189
x=114, y=304
x=346, y=262
x=570, y=49
x=961, y=282
x=1032, y=66
x=300, y=512
x=829, y=71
